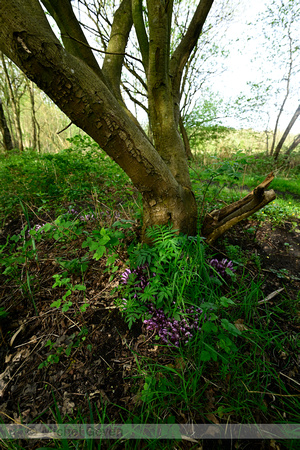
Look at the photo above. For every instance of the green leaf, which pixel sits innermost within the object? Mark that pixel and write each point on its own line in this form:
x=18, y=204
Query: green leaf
x=230, y=327
x=68, y=350
x=111, y=259
x=84, y=307
x=66, y=306
x=209, y=327
x=47, y=227
x=79, y=287
x=56, y=303
x=43, y=364
x=205, y=356
x=69, y=292
x=99, y=253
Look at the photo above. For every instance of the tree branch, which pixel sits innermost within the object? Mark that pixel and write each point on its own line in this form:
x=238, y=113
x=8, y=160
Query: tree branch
x=115, y=52
x=72, y=35
x=219, y=221
x=139, y=25
x=188, y=42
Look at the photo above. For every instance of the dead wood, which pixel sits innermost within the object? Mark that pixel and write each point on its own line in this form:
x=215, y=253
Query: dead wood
x=219, y=221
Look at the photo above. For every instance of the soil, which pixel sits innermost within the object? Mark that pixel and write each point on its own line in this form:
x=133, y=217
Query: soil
x=102, y=372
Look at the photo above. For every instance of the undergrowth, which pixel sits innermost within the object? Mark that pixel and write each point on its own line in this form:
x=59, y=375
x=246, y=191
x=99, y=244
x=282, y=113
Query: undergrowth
x=218, y=351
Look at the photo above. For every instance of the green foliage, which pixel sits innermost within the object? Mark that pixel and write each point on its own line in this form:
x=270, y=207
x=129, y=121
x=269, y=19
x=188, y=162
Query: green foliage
x=57, y=350
x=181, y=273
x=172, y=275
x=236, y=359
x=76, y=174
x=3, y=313
x=104, y=242
x=63, y=302
x=235, y=253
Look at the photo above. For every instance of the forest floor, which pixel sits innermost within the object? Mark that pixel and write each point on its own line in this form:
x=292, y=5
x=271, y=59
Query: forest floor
x=107, y=375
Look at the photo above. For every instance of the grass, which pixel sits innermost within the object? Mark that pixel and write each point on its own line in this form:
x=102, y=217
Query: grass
x=81, y=173
x=234, y=369
x=223, y=180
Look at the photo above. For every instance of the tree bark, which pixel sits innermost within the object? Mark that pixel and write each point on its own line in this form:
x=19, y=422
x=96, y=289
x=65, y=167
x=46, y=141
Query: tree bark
x=7, y=141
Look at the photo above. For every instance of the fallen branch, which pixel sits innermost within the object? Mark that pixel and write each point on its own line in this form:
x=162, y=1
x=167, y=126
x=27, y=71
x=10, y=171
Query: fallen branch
x=270, y=296
x=221, y=220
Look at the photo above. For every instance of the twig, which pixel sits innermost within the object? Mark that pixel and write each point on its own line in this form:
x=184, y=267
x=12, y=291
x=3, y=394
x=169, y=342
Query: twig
x=289, y=378
x=270, y=296
x=64, y=129
x=270, y=393
x=102, y=51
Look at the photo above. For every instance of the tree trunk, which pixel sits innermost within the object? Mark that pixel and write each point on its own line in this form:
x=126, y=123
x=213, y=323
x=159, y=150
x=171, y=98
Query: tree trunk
x=185, y=139
x=7, y=141
x=286, y=133
x=36, y=145
x=293, y=145
x=180, y=209
x=14, y=106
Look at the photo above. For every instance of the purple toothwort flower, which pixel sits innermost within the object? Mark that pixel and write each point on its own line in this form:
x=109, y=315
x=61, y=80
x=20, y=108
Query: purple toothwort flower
x=141, y=276
x=222, y=266
x=125, y=276
x=174, y=331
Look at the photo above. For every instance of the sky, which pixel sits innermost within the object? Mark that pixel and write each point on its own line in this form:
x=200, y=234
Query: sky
x=242, y=67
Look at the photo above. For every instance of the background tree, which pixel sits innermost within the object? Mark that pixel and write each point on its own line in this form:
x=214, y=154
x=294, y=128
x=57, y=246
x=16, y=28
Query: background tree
x=35, y=143
x=14, y=88
x=7, y=140
x=279, y=25
x=91, y=96
x=39, y=120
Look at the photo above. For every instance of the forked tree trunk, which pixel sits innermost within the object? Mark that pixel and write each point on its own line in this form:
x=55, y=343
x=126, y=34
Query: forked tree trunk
x=160, y=172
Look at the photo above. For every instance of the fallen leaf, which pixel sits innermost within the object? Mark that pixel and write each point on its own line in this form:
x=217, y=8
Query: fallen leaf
x=212, y=418
x=239, y=325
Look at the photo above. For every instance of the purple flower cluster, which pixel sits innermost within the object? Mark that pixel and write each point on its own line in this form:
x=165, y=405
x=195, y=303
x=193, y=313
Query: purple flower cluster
x=171, y=331
x=221, y=266
x=83, y=218
x=37, y=227
x=141, y=276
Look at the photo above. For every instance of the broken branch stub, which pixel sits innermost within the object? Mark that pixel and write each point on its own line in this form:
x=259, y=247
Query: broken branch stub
x=218, y=221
